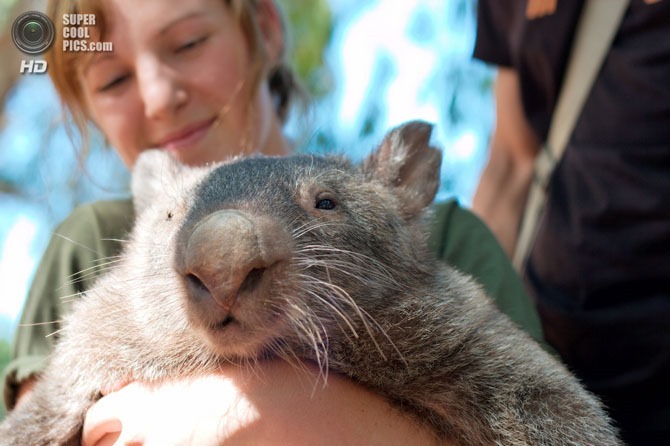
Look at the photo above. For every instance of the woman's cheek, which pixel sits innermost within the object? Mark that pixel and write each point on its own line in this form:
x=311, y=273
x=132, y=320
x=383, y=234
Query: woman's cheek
x=124, y=131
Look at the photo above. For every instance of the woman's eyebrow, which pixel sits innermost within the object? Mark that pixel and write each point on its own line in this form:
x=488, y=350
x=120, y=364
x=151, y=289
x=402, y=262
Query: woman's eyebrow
x=97, y=57
x=188, y=16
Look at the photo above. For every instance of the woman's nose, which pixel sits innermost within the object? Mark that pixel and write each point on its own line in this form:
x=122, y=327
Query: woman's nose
x=160, y=90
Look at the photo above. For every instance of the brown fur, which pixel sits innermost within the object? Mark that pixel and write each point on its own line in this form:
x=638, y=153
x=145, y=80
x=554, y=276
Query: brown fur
x=312, y=259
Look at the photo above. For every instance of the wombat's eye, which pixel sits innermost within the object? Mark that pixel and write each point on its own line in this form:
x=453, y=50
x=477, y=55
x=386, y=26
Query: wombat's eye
x=326, y=204
x=169, y=215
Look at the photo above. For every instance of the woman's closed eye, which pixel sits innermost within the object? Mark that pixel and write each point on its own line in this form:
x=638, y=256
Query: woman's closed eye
x=112, y=84
x=191, y=44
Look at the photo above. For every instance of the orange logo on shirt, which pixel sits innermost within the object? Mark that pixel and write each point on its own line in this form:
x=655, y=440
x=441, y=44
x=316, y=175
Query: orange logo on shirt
x=540, y=8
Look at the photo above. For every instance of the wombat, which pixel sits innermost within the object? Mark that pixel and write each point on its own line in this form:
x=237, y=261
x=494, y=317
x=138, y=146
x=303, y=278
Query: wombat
x=312, y=258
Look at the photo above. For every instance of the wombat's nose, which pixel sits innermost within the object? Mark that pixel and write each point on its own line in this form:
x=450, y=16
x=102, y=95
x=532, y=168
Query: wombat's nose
x=226, y=255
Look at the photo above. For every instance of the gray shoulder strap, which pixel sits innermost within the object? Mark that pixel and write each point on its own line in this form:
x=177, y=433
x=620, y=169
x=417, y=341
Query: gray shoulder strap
x=597, y=26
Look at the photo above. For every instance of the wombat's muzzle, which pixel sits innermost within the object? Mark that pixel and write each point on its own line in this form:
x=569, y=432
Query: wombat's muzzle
x=227, y=256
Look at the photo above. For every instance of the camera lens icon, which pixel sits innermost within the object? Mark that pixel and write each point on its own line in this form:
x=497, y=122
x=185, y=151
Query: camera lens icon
x=33, y=32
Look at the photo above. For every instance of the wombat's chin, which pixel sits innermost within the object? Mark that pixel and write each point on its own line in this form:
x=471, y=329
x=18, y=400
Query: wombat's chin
x=232, y=339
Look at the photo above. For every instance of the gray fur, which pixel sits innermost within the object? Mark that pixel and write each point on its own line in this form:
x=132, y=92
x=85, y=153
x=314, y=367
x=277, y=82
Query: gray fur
x=237, y=262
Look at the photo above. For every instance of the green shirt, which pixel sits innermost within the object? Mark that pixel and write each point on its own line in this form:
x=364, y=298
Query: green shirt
x=90, y=237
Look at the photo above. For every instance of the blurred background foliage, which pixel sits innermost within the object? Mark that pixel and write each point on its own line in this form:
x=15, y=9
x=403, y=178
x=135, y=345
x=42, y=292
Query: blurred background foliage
x=368, y=65
x=310, y=28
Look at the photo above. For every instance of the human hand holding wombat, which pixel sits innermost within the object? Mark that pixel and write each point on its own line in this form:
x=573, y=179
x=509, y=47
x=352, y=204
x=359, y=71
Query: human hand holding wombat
x=272, y=404
x=307, y=259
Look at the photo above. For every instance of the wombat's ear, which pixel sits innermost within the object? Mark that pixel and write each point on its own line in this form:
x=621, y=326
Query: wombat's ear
x=154, y=172
x=406, y=163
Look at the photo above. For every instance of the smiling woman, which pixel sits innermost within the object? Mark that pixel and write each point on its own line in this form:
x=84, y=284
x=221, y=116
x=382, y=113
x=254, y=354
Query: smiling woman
x=165, y=84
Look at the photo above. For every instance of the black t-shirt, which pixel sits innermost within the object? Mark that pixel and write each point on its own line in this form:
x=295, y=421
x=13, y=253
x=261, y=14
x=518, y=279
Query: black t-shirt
x=600, y=266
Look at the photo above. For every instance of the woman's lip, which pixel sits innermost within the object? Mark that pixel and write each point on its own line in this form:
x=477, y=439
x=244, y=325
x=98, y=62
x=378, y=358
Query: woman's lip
x=186, y=136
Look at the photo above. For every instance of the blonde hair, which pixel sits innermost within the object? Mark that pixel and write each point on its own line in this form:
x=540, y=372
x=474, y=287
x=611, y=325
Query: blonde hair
x=64, y=65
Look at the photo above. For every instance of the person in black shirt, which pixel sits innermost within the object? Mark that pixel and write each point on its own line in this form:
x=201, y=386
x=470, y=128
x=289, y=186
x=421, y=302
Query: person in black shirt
x=599, y=268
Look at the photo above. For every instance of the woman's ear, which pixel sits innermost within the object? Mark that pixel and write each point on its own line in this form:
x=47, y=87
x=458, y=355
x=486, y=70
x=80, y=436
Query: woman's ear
x=272, y=28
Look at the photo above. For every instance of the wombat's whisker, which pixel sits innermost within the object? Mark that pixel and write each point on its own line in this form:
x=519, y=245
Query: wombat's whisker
x=36, y=324
x=100, y=265
x=150, y=244
x=315, y=332
x=366, y=261
x=71, y=297
x=335, y=308
x=118, y=240
x=364, y=316
x=53, y=333
x=316, y=287
x=307, y=228
x=343, y=296
x=339, y=292
x=311, y=226
x=313, y=338
x=322, y=342
x=347, y=268
x=301, y=366
x=80, y=278
x=281, y=351
x=300, y=228
x=328, y=250
x=88, y=248
x=386, y=335
x=95, y=270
